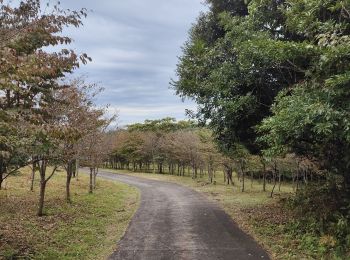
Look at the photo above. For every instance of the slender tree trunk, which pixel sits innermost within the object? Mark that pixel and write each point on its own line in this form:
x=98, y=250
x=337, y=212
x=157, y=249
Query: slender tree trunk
x=279, y=181
x=68, y=180
x=32, y=177
x=264, y=181
x=2, y=172
x=297, y=180
x=229, y=177
x=91, y=186
x=43, y=182
x=41, y=197
x=274, y=185
x=274, y=179
x=251, y=179
x=210, y=174
x=42, y=170
x=305, y=177
x=68, y=198
x=243, y=178
x=264, y=172
x=95, y=176
x=77, y=165
x=242, y=165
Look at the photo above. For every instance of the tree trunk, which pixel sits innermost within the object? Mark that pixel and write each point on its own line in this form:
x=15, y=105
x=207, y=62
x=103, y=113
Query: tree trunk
x=68, y=198
x=242, y=164
x=279, y=181
x=41, y=197
x=68, y=180
x=274, y=185
x=210, y=174
x=243, y=177
x=91, y=187
x=77, y=168
x=32, y=177
x=42, y=171
x=264, y=172
x=2, y=172
x=274, y=179
x=43, y=182
x=229, y=177
x=264, y=180
x=251, y=179
x=95, y=175
x=297, y=180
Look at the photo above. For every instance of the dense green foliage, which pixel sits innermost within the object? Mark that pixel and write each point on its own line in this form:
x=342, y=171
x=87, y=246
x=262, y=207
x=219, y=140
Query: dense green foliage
x=272, y=77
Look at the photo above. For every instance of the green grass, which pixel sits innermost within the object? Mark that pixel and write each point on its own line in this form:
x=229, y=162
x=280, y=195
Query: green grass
x=88, y=228
x=254, y=211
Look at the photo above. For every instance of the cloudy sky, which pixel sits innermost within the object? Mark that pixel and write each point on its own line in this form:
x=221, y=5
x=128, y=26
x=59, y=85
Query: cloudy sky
x=134, y=45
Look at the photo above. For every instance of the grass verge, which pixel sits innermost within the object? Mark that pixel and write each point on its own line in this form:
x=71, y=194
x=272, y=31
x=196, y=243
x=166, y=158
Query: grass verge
x=254, y=211
x=88, y=228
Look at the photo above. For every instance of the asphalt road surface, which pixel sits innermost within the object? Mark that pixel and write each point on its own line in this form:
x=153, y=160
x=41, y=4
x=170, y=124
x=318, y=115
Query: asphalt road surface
x=175, y=222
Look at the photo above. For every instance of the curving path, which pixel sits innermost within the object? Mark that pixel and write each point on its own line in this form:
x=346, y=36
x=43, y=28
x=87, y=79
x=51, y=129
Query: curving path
x=175, y=222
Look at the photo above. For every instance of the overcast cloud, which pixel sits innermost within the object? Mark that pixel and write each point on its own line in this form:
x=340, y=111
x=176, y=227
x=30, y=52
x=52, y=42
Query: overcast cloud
x=134, y=45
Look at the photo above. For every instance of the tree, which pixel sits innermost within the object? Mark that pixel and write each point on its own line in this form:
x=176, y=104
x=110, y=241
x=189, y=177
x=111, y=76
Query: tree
x=72, y=110
x=28, y=73
x=93, y=146
x=233, y=84
x=312, y=117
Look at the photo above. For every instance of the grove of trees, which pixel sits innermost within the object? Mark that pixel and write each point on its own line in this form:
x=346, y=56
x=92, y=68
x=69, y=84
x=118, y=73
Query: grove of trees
x=183, y=148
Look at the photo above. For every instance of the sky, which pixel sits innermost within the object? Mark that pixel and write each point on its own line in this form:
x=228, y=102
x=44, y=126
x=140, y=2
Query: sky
x=134, y=45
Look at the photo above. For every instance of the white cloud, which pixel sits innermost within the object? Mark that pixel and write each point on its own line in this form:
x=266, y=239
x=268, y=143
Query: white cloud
x=128, y=114
x=134, y=45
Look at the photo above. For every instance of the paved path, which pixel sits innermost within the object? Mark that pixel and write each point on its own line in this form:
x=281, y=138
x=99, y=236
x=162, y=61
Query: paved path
x=175, y=222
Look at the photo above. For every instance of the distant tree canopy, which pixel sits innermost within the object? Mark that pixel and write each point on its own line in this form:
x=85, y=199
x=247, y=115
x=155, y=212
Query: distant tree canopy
x=273, y=75
x=167, y=124
x=156, y=144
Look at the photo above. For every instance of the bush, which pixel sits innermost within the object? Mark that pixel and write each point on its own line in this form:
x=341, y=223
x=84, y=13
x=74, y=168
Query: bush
x=321, y=219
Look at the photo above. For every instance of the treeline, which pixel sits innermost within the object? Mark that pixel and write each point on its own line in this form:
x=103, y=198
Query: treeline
x=165, y=146
x=185, y=149
x=46, y=120
x=271, y=78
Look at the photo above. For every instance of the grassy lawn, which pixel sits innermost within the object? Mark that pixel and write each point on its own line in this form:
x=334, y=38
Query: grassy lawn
x=89, y=228
x=254, y=211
